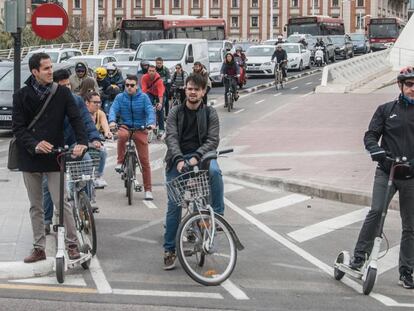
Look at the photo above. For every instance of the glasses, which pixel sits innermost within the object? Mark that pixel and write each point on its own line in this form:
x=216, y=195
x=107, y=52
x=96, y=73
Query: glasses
x=409, y=84
x=177, y=68
x=130, y=85
x=80, y=70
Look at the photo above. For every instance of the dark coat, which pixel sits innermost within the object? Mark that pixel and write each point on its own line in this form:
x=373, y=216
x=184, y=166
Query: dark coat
x=208, y=132
x=26, y=104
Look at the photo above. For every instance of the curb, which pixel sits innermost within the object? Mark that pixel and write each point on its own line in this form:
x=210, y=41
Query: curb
x=312, y=189
x=269, y=84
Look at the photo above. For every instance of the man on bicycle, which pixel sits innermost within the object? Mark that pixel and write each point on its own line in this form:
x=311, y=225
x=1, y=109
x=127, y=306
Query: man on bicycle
x=281, y=59
x=153, y=86
x=192, y=130
x=165, y=75
x=230, y=69
x=177, y=81
x=393, y=123
x=136, y=111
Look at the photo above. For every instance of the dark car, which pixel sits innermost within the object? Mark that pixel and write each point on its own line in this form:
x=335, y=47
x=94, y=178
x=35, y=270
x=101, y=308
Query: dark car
x=343, y=46
x=329, y=49
x=360, y=42
x=6, y=91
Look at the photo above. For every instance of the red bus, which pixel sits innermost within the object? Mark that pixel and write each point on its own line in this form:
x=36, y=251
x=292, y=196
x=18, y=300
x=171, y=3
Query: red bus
x=134, y=31
x=383, y=31
x=315, y=25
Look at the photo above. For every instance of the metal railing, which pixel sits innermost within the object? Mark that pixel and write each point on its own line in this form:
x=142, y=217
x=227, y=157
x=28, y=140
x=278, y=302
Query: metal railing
x=85, y=47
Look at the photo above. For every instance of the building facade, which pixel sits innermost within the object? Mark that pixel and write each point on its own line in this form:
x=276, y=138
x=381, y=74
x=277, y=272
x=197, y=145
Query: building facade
x=246, y=19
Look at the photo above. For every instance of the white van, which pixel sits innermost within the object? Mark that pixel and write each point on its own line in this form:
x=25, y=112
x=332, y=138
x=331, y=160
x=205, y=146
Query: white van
x=174, y=51
x=216, y=58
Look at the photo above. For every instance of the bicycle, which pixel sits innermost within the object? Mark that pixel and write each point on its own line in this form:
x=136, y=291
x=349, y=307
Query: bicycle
x=78, y=173
x=130, y=164
x=206, y=243
x=154, y=132
x=176, y=98
x=231, y=93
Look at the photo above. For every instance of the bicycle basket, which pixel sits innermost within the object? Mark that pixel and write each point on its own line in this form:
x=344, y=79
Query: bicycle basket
x=81, y=170
x=188, y=187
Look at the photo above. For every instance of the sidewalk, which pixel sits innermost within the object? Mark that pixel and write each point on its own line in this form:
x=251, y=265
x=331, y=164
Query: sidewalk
x=312, y=145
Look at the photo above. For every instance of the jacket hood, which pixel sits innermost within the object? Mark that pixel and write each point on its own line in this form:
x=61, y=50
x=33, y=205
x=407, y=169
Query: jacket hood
x=83, y=63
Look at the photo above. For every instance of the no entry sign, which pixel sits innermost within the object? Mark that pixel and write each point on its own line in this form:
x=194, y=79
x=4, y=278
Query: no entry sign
x=49, y=21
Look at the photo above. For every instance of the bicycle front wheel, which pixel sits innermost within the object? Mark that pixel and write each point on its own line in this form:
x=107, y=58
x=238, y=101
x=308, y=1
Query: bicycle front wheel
x=85, y=225
x=206, y=265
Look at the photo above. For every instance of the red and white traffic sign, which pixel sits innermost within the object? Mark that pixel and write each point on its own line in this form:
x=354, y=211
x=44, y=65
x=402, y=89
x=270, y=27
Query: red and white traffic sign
x=49, y=21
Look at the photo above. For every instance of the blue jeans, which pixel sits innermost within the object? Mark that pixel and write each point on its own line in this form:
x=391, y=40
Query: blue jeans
x=102, y=160
x=160, y=113
x=173, y=216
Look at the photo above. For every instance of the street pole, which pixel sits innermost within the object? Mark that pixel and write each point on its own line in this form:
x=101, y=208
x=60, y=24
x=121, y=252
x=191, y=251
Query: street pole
x=271, y=20
x=360, y=21
x=207, y=14
x=95, y=29
x=313, y=7
x=17, y=38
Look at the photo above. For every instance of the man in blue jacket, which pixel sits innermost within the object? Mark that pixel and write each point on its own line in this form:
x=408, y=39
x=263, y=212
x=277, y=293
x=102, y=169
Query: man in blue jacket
x=136, y=111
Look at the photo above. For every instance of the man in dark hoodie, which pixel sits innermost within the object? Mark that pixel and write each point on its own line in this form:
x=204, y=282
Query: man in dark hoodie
x=231, y=70
x=80, y=74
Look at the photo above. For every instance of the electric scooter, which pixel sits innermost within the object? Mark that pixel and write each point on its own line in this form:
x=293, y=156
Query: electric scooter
x=368, y=272
x=62, y=261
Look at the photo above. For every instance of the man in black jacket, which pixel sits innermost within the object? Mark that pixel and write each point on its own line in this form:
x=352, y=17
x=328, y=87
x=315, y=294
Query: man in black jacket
x=281, y=58
x=192, y=130
x=35, y=146
x=393, y=123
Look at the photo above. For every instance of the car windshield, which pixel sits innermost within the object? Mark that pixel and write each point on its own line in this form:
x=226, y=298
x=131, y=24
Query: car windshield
x=7, y=82
x=357, y=37
x=123, y=57
x=128, y=70
x=338, y=40
x=168, y=52
x=291, y=48
x=260, y=51
x=54, y=56
x=215, y=44
x=92, y=62
x=214, y=56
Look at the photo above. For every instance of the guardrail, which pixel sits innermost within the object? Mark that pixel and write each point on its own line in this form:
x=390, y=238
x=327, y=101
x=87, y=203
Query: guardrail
x=85, y=47
x=347, y=75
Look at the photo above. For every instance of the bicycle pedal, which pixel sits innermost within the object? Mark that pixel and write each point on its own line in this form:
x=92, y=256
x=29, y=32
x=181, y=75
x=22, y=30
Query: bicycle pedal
x=138, y=189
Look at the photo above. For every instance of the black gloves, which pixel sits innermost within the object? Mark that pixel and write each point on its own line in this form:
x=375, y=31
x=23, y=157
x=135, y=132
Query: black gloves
x=378, y=154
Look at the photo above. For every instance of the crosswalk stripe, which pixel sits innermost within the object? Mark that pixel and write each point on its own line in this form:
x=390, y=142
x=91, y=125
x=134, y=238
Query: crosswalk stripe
x=390, y=260
x=278, y=203
x=231, y=187
x=329, y=225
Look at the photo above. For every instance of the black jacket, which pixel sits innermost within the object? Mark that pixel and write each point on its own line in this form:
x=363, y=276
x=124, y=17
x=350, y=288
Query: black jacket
x=279, y=55
x=26, y=104
x=393, y=123
x=208, y=132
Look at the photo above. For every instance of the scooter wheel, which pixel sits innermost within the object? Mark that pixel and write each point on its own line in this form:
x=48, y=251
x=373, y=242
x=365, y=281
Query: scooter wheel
x=338, y=274
x=369, y=282
x=60, y=269
x=85, y=265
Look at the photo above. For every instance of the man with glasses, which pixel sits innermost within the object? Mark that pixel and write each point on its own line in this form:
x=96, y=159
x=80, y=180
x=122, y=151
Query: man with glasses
x=80, y=74
x=135, y=111
x=281, y=59
x=393, y=124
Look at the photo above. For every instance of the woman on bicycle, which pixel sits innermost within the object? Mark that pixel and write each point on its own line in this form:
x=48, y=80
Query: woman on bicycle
x=178, y=81
x=231, y=70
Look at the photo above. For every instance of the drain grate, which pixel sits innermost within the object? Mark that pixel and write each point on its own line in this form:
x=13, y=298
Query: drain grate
x=278, y=169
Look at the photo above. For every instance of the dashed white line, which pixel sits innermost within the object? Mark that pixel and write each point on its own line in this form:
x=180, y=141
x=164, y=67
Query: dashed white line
x=277, y=94
x=304, y=95
x=98, y=276
x=241, y=110
x=236, y=292
x=295, y=87
x=258, y=102
x=149, y=204
x=278, y=203
x=160, y=293
x=308, y=83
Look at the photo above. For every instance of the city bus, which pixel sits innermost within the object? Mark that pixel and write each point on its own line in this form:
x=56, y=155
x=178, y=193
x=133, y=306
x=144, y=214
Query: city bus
x=383, y=31
x=134, y=31
x=315, y=25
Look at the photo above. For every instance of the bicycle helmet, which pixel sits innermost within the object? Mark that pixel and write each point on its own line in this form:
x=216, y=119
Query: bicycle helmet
x=111, y=69
x=279, y=37
x=101, y=73
x=405, y=74
x=145, y=63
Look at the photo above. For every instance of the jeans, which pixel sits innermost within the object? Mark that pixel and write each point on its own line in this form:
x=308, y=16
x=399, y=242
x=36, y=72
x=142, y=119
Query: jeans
x=173, y=216
x=102, y=160
x=369, y=229
x=160, y=113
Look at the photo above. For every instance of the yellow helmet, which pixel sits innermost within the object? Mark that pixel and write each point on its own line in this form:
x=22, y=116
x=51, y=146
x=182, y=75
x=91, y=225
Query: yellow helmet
x=101, y=73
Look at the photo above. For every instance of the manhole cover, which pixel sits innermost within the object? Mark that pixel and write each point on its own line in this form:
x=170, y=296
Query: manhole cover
x=278, y=169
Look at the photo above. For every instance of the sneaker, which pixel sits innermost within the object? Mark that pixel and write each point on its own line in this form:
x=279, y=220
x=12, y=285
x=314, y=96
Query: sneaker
x=100, y=183
x=47, y=229
x=406, y=280
x=73, y=252
x=357, y=263
x=148, y=196
x=36, y=255
x=169, y=260
x=118, y=168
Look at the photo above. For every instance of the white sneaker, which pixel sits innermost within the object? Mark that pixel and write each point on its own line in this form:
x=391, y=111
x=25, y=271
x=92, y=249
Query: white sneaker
x=118, y=168
x=100, y=183
x=148, y=196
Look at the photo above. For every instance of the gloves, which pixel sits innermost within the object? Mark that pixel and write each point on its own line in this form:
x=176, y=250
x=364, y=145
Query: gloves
x=378, y=154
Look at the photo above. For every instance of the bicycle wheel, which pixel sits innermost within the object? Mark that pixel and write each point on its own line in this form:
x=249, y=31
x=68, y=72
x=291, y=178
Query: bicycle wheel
x=85, y=225
x=277, y=79
x=207, y=267
x=130, y=178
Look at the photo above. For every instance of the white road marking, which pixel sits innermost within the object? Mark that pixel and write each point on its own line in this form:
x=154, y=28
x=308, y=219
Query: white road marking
x=308, y=83
x=310, y=258
x=251, y=185
x=324, y=227
x=278, y=203
x=70, y=280
x=295, y=87
x=49, y=21
x=320, y=79
x=260, y=101
x=236, y=292
x=307, y=94
x=277, y=94
x=231, y=187
x=238, y=111
x=98, y=276
x=159, y=293
x=390, y=260
x=128, y=234
x=149, y=204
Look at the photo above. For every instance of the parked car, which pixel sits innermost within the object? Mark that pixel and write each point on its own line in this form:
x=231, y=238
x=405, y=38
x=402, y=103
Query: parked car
x=216, y=58
x=113, y=51
x=298, y=56
x=56, y=55
x=93, y=61
x=6, y=91
x=124, y=56
x=5, y=67
x=343, y=46
x=259, y=60
x=296, y=37
x=360, y=42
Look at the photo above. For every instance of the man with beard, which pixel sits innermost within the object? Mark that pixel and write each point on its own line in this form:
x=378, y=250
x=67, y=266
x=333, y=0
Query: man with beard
x=192, y=130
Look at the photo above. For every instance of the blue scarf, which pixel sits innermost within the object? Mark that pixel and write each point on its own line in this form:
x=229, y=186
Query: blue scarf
x=406, y=100
x=41, y=90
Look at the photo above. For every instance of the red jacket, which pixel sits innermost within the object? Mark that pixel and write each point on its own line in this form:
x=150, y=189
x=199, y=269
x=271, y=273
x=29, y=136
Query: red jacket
x=154, y=87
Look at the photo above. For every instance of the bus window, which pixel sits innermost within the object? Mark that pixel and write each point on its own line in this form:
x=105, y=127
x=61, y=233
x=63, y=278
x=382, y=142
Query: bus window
x=197, y=33
x=220, y=33
x=181, y=33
